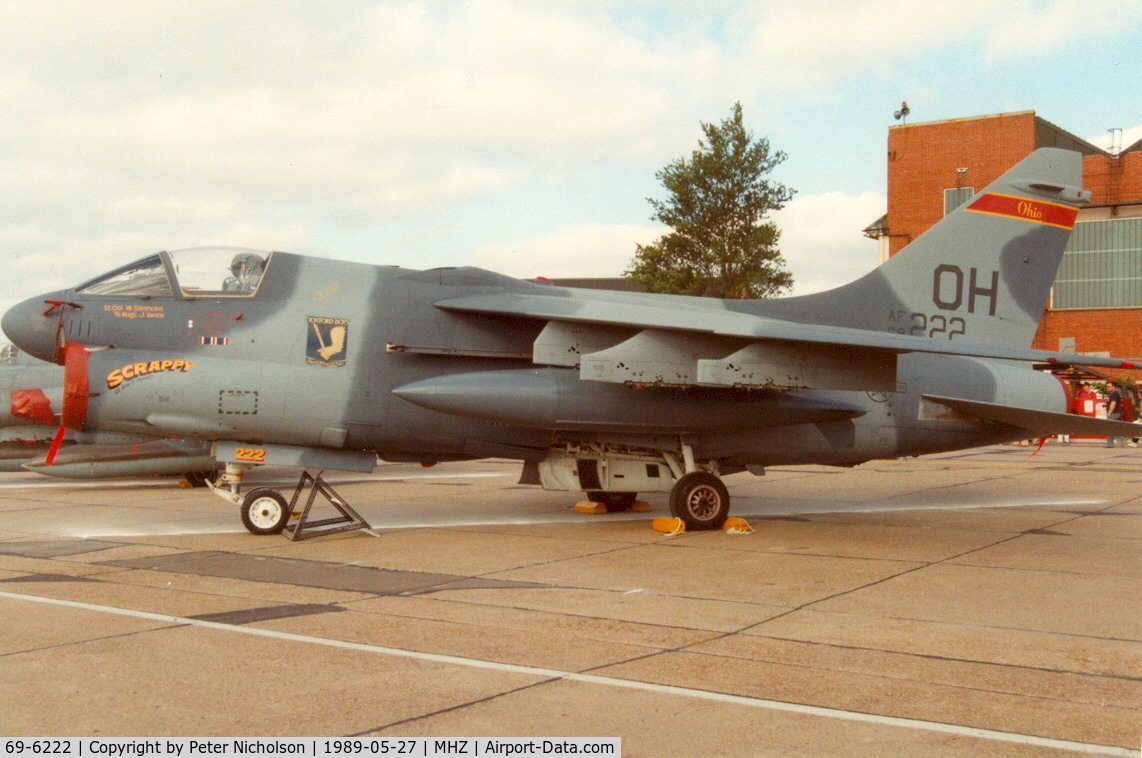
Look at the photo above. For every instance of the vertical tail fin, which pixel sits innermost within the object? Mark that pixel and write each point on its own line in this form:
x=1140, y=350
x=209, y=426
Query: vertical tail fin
x=982, y=274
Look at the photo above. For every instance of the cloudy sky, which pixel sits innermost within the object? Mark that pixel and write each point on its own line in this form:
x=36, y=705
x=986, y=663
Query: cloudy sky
x=518, y=136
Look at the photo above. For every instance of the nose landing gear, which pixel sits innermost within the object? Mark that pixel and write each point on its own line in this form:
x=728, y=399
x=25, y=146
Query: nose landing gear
x=265, y=511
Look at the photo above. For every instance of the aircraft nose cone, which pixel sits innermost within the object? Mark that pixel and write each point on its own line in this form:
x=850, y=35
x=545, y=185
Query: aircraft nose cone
x=30, y=330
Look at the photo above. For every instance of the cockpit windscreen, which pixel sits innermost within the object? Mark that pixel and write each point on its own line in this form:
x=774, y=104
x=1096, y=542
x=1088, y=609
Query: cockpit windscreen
x=147, y=277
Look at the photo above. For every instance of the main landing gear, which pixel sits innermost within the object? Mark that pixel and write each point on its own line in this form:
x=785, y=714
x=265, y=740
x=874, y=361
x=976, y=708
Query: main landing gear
x=265, y=510
x=701, y=500
x=613, y=474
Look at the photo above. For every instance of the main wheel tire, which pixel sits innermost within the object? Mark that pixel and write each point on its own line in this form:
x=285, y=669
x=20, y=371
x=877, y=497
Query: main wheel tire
x=700, y=500
x=614, y=501
x=264, y=511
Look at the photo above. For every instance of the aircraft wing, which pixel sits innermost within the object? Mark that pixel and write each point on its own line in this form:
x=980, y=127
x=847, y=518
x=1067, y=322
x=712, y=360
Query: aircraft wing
x=689, y=344
x=1041, y=423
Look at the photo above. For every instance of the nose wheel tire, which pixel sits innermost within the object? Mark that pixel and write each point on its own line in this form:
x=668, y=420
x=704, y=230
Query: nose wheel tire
x=264, y=511
x=700, y=500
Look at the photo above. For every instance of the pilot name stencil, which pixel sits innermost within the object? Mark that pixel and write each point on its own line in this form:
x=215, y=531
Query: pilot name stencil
x=327, y=341
x=123, y=310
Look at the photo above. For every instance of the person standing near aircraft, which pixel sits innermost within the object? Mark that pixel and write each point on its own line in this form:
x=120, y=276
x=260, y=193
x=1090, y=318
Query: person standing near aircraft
x=1130, y=409
x=1073, y=393
x=1114, y=410
x=1082, y=404
x=1085, y=400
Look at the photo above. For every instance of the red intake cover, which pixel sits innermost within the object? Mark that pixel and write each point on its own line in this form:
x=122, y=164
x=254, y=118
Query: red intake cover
x=33, y=405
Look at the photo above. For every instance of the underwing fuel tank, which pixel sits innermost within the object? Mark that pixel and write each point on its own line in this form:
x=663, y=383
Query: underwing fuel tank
x=554, y=398
x=142, y=459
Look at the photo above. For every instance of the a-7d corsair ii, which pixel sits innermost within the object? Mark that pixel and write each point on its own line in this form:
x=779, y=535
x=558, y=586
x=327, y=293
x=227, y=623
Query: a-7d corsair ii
x=299, y=361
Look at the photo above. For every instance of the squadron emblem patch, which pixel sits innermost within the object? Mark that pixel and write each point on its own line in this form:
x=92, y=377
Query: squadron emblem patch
x=327, y=342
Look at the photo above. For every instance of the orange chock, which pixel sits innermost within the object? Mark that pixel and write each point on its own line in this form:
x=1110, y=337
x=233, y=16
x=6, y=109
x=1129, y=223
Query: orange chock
x=735, y=525
x=669, y=526
x=640, y=506
x=591, y=509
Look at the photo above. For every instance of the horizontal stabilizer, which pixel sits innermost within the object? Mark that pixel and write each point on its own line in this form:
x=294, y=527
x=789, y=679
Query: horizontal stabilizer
x=1041, y=423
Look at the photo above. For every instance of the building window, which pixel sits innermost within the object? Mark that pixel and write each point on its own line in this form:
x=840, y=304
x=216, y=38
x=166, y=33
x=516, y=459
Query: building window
x=954, y=197
x=1102, y=266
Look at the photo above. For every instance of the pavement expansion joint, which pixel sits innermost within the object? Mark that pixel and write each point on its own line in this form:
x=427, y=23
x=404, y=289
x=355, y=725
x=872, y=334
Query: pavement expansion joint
x=268, y=613
x=47, y=577
x=55, y=548
x=326, y=575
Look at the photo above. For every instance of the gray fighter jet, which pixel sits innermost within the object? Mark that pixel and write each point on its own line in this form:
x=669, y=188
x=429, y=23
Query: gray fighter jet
x=284, y=359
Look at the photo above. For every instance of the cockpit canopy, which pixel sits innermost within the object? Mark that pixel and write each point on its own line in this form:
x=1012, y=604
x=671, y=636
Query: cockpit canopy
x=197, y=272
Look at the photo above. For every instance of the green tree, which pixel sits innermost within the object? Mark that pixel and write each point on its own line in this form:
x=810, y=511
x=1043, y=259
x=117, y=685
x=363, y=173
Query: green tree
x=721, y=244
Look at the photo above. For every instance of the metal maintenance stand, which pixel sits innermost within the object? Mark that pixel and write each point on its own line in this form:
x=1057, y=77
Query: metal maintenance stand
x=348, y=521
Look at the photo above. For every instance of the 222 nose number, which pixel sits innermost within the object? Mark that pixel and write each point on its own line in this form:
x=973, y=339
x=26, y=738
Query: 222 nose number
x=250, y=455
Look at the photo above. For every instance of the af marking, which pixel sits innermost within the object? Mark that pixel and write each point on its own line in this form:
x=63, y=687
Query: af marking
x=929, y=325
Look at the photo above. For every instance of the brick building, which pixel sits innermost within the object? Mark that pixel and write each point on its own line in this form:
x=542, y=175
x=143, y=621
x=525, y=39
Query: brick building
x=1096, y=302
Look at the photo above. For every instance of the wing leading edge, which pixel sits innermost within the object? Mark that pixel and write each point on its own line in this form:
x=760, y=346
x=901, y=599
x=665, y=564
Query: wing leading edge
x=722, y=328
